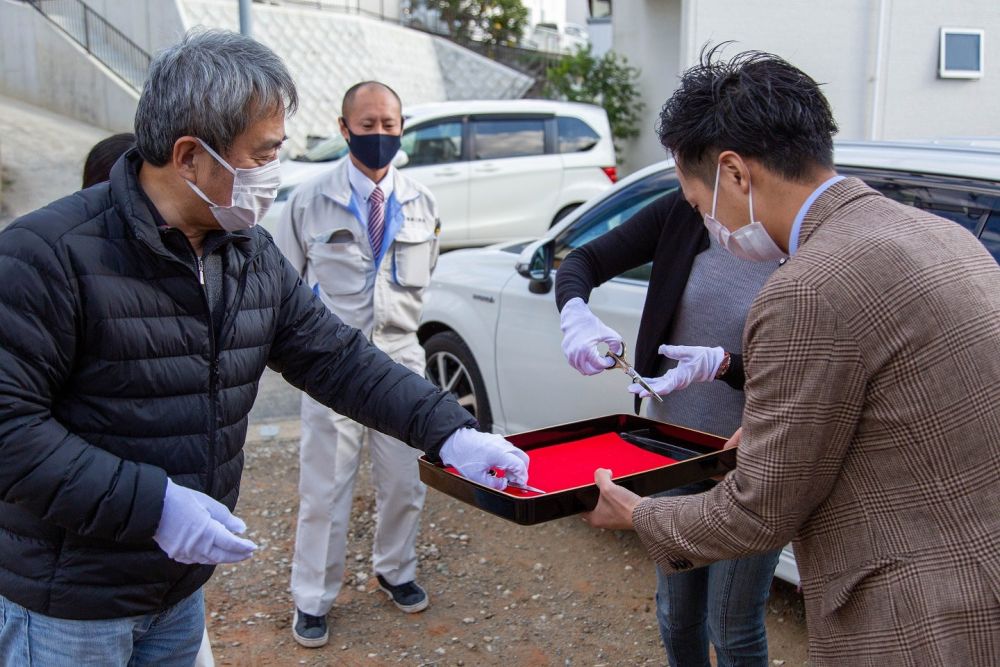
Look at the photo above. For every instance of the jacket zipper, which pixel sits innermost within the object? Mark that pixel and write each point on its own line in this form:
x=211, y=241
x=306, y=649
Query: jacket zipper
x=213, y=377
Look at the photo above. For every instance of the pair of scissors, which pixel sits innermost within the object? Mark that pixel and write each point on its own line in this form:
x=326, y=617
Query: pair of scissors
x=516, y=485
x=621, y=363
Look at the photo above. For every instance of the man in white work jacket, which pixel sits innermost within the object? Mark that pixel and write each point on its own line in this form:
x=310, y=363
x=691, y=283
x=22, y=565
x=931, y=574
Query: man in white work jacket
x=364, y=237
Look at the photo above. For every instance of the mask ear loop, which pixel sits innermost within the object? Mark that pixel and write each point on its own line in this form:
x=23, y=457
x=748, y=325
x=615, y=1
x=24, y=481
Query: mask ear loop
x=715, y=190
x=750, y=185
x=218, y=158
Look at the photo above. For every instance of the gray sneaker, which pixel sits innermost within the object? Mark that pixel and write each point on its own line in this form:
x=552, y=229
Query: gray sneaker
x=310, y=631
x=408, y=597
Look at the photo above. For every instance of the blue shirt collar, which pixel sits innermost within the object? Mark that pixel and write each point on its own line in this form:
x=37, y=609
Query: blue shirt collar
x=793, y=239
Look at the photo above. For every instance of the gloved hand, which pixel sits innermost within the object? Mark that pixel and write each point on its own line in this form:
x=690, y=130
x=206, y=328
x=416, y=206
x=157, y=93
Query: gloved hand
x=695, y=364
x=582, y=331
x=474, y=454
x=195, y=528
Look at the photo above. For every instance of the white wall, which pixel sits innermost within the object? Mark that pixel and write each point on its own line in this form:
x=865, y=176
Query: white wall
x=42, y=66
x=648, y=33
x=835, y=43
x=916, y=102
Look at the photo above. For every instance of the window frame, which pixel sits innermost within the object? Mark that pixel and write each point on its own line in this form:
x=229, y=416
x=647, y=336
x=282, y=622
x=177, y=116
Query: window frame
x=548, y=129
x=463, y=155
x=944, y=72
x=964, y=185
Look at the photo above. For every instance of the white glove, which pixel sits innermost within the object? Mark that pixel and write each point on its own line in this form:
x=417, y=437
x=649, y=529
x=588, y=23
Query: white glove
x=475, y=454
x=582, y=331
x=695, y=364
x=195, y=528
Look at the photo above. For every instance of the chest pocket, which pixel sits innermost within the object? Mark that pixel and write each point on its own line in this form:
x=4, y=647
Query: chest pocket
x=337, y=262
x=414, y=249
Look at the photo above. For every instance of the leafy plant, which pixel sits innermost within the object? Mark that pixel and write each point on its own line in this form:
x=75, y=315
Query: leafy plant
x=608, y=81
x=488, y=21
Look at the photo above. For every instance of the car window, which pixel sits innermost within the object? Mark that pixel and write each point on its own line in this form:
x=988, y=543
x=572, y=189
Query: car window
x=511, y=137
x=991, y=233
x=433, y=144
x=958, y=200
x=614, y=210
x=575, y=136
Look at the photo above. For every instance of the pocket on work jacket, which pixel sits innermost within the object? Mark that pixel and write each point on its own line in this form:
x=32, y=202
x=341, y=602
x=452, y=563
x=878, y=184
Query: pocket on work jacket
x=413, y=257
x=337, y=262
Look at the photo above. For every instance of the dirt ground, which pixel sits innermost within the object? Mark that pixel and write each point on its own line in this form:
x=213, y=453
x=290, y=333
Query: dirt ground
x=558, y=593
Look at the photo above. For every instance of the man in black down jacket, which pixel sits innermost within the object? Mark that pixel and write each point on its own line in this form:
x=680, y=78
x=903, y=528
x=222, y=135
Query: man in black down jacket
x=136, y=319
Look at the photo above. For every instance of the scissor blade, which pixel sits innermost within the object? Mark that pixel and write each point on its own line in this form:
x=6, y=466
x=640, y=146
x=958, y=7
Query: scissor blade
x=645, y=385
x=632, y=373
x=525, y=487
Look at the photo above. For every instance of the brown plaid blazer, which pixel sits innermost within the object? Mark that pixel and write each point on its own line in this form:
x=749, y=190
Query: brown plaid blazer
x=871, y=435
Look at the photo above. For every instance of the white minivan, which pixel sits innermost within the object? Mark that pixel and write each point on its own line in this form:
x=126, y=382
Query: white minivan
x=499, y=169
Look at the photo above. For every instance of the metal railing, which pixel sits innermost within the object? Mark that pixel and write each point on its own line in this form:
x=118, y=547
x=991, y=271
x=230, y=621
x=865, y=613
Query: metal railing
x=351, y=7
x=98, y=37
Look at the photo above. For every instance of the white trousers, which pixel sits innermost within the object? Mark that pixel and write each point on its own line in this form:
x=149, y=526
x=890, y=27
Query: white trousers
x=329, y=458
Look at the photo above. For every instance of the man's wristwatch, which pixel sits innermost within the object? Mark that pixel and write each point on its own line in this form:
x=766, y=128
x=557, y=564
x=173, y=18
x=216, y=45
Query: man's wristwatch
x=724, y=366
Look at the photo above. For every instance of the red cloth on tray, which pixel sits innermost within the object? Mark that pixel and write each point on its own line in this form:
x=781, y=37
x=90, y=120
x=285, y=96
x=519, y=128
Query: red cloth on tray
x=572, y=464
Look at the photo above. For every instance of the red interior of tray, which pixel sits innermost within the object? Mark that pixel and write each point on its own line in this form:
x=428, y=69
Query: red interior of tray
x=572, y=464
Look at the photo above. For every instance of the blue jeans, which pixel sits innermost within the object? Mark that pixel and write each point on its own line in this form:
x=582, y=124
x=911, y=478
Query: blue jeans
x=169, y=638
x=724, y=603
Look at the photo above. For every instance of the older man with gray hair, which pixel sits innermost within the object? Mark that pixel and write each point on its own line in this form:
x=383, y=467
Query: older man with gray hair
x=136, y=319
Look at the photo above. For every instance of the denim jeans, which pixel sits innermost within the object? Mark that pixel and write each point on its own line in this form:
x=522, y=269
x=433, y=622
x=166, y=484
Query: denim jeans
x=723, y=603
x=169, y=638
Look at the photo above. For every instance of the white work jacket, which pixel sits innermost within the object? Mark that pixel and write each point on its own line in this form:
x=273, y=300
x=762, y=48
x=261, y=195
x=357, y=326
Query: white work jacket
x=324, y=236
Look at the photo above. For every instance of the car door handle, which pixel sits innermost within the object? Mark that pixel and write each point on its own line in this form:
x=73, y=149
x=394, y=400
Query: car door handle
x=487, y=169
x=447, y=172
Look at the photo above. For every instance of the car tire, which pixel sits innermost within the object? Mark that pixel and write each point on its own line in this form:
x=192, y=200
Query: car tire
x=451, y=366
x=563, y=212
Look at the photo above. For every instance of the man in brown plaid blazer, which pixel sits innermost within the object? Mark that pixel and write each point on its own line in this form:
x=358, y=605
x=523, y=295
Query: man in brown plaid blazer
x=871, y=432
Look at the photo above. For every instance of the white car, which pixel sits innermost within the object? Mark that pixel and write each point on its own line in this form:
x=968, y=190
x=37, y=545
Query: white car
x=490, y=327
x=551, y=38
x=499, y=169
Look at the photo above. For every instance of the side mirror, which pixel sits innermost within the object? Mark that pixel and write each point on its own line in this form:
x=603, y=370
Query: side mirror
x=535, y=263
x=401, y=159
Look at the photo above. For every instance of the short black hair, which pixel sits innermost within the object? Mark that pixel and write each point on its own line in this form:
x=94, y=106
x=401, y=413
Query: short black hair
x=104, y=154
x=353, y=91
x=756, y=104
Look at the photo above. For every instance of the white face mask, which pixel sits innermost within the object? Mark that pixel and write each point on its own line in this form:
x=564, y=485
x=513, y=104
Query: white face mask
x=750, y=242
x=254, y=191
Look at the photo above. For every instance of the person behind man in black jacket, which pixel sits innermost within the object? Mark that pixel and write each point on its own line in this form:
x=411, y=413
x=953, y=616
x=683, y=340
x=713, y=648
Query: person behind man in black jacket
x=698, y=293
x=136, y=319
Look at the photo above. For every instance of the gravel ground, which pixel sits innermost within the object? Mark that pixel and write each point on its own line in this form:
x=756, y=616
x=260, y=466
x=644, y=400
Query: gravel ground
x=558, y=593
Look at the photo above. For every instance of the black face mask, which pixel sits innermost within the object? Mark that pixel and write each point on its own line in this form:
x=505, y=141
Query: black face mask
x=375, y=151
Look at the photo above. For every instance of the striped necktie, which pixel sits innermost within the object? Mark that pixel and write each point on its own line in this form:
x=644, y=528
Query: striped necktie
x=376, y=221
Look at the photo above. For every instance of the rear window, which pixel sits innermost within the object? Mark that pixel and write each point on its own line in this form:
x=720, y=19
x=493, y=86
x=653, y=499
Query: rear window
x=515, y=137
x=575, y=136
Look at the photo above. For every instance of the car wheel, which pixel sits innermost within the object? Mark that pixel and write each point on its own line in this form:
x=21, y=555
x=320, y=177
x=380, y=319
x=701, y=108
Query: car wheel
x=563, y=212
x=451, y=367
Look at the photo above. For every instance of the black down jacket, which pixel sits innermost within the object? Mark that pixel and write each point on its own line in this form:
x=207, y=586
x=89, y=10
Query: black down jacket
x=112, y=379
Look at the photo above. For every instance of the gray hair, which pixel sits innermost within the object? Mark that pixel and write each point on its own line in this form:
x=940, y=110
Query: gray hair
x=213, y=85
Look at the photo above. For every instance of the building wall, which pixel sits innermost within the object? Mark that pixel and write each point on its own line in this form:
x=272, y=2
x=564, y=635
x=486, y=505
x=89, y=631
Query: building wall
x=648, y=33
x=836, y=44
x=42, y=66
